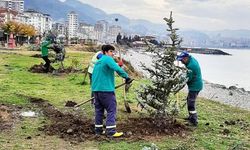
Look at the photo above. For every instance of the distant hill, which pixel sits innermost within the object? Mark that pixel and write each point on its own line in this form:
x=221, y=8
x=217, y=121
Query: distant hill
x=193, y=35
x=59, y=10
x=230, y=33
x=89, y=14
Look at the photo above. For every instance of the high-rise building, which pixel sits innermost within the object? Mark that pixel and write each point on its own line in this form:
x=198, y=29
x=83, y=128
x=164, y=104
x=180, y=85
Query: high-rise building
x=86, y=31
x=47, y=21
x=16, y=5
x=8, y=15
x=101, y=26
x=114, y=30
x=72, y=24
x=59, y=28
x=41, y=22
x=101, y=29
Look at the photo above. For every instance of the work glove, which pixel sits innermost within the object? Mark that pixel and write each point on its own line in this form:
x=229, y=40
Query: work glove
x=128, y=80
x=120, y=63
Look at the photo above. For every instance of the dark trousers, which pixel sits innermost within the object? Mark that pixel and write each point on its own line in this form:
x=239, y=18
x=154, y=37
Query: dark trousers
x=105, y=101
x=191, y=99
x=47, y=63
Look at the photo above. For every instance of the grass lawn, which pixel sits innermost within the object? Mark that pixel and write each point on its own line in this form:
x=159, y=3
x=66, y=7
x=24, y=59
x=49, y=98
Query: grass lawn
x=221, y=127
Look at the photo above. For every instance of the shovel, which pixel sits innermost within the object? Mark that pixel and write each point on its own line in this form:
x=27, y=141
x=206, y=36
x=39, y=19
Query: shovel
x=127, y=107
x=85, y=75
x=93, y=97
x=125, y=89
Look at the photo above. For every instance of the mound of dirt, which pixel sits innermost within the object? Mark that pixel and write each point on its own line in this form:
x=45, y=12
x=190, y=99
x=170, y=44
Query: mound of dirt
x=36, y=56
x=35, y=100
x=72, y=128
x=67, y=126
x=69, y=70
x=143, y=127
x=41, y=69
x=9, y=115
x=70, y=104
x=40, y=56
x=79, y=128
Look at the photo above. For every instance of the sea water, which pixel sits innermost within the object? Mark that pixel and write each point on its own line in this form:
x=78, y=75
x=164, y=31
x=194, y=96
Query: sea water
x=233, y=70
x=227, y=70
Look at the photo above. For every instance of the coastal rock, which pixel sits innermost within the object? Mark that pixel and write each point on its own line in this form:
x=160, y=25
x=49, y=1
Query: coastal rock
x=208, y=51
x=218, y=86
x=232, y=88
x=242, y=89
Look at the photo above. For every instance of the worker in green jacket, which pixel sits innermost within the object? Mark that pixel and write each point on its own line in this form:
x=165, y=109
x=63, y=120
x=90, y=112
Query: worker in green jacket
x=103, y=87
x=194, y=83
x=45, y=50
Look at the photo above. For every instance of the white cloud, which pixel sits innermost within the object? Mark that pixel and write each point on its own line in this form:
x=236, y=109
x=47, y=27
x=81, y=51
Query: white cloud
x=198, y=14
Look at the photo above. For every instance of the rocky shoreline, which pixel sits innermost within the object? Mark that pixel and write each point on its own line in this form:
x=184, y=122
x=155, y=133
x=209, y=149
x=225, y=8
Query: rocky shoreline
x=208, y=51
x=232, y=95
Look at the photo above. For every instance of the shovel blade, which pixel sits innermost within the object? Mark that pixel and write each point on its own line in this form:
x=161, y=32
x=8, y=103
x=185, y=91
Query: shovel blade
x=127, y=107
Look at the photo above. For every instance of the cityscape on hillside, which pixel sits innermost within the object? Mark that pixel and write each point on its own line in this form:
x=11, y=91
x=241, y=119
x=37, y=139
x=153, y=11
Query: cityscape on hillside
x=72, y=28
x=76, y=31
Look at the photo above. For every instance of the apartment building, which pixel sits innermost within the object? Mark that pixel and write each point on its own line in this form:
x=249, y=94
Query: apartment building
x=8, y=15
x=41, y=22
x=72, y=24
x=86, y=31
x=15, y=5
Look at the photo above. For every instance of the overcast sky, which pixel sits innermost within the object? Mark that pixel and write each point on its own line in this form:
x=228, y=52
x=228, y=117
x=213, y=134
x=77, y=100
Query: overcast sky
x=196, y=14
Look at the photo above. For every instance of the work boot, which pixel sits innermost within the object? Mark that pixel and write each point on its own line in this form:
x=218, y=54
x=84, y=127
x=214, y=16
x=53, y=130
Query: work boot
x=99, y=131
x=116, y=135
x=193, y=122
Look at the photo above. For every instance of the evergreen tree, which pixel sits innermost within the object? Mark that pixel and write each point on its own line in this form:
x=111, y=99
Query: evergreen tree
x=165, y=76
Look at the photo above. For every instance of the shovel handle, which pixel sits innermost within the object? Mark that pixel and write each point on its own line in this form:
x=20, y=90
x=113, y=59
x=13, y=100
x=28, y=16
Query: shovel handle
x=93, y=97
x=84, y=102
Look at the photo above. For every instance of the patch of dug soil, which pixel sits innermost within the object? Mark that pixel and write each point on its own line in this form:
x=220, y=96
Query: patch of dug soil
x=69, y=70
x=9, y=115
x=67, y=126
x=40, y=69
x=70, y=104
x=36, y=56
x=151, y=127
x=40, y=56
x=36, y=100
x=79, y=128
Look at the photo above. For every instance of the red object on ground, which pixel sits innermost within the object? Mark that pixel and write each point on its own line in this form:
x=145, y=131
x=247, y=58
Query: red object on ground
x=11, y=43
